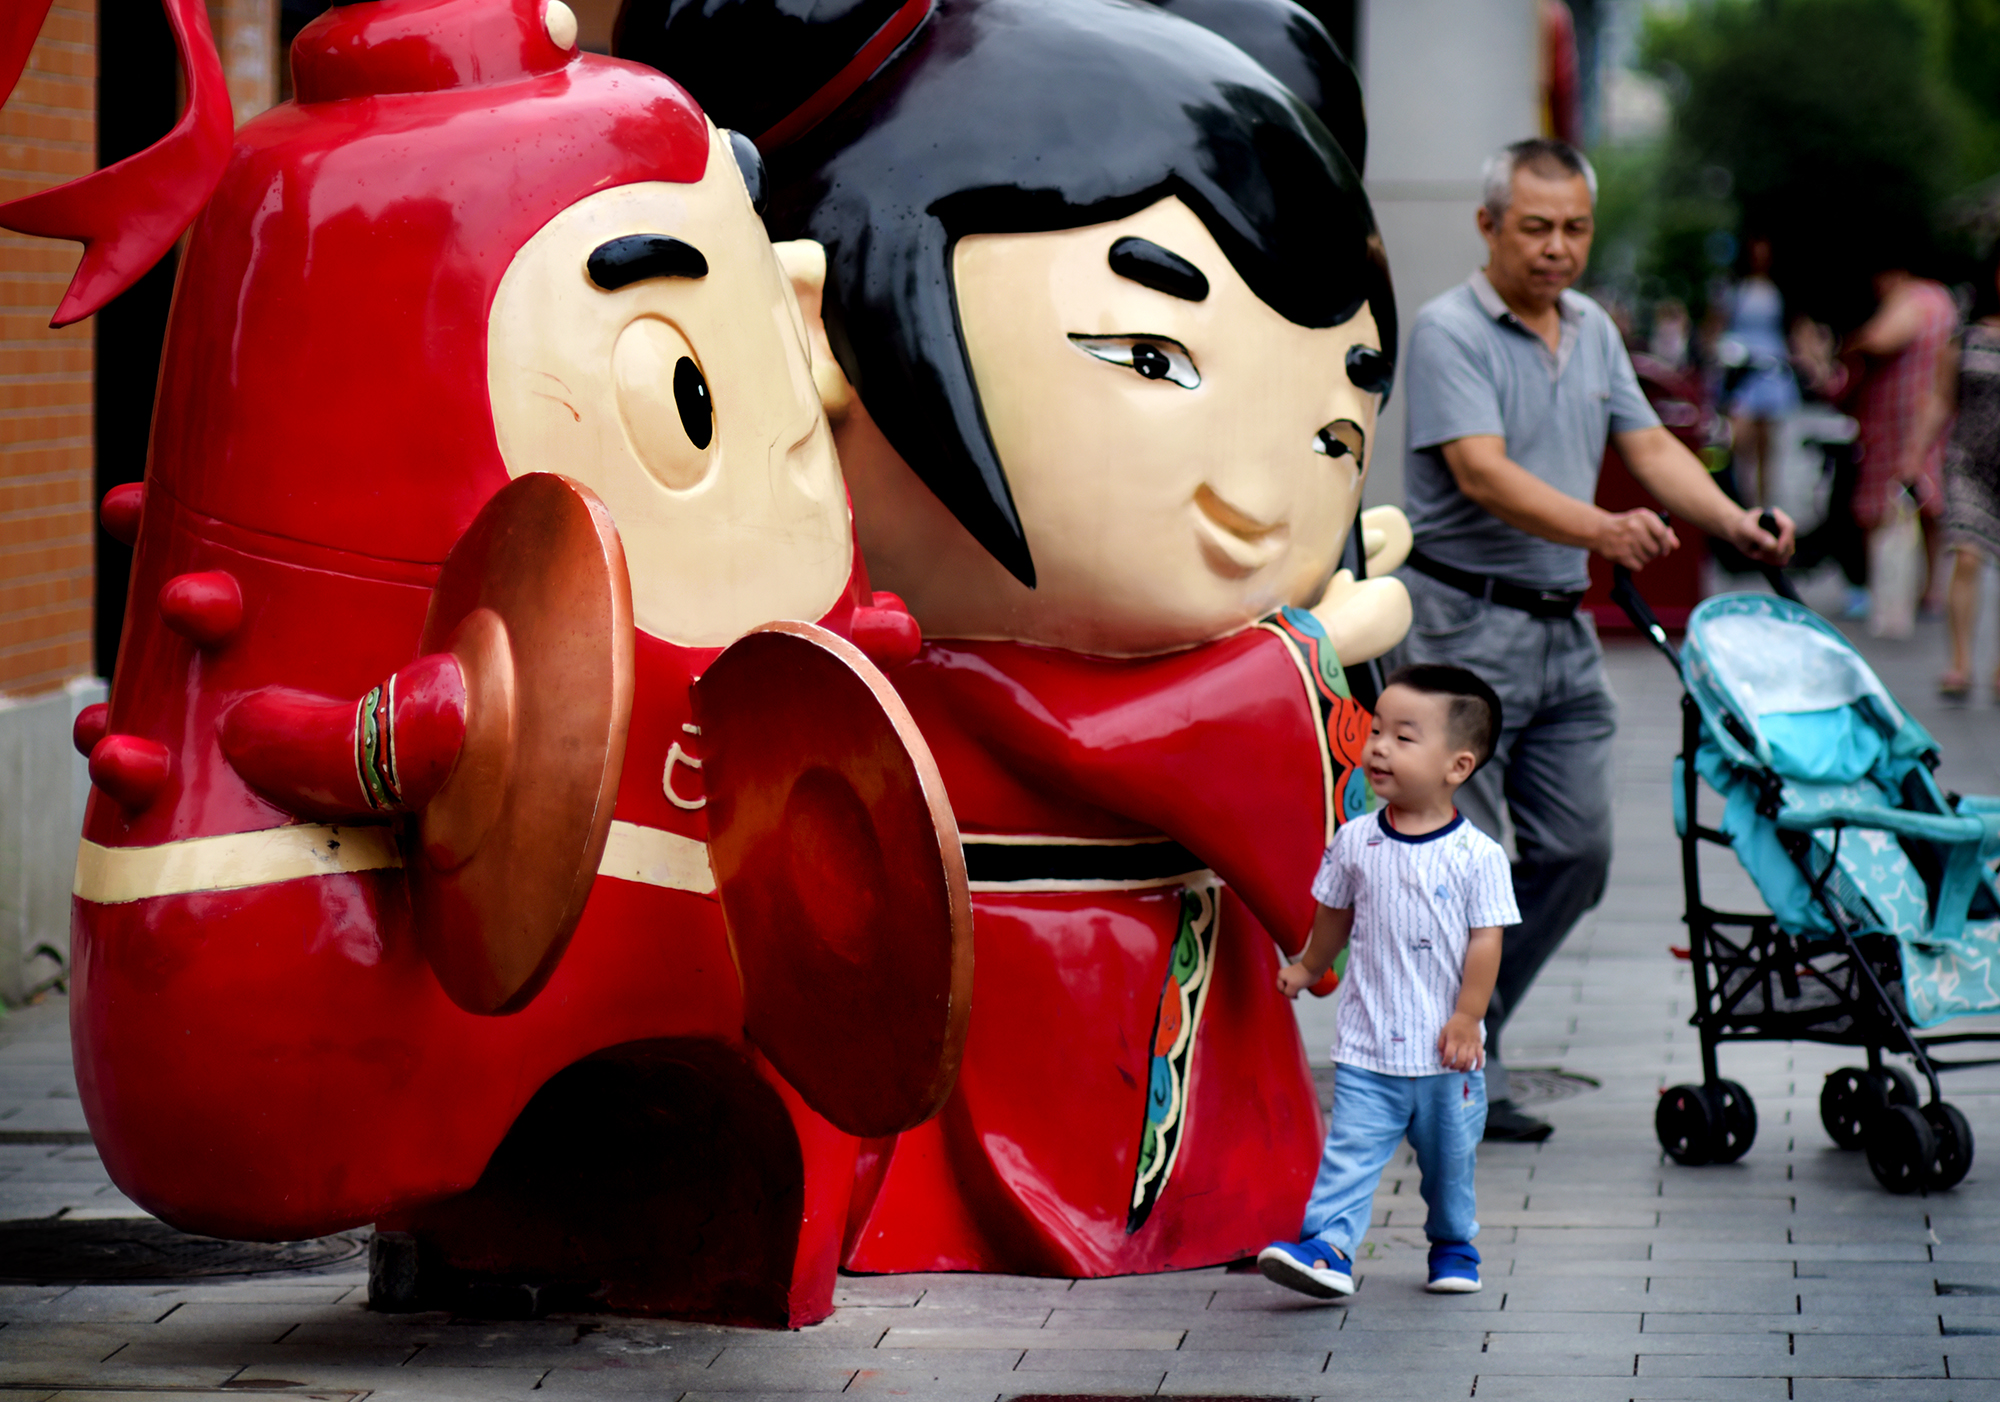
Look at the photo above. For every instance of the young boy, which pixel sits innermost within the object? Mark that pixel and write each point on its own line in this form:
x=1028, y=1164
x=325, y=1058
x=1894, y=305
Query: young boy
x=1422, y=895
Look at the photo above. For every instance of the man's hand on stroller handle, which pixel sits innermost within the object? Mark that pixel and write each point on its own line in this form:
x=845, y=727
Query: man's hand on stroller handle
x=1634, y=538
x=1664, y=467
x=1750, y=532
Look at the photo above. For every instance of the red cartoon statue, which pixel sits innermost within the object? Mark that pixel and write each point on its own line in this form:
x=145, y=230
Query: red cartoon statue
x=471, y=853
x=1112, y=325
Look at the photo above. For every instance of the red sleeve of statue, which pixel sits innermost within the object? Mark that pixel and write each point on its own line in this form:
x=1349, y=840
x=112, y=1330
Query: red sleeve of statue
x=1243, y=750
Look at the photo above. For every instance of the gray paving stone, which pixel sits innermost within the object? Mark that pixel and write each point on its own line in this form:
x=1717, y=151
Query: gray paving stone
x=1886, y=1390
x=976, y=1337
x=1104, y=1364
x=1589, y=1266
x=1817, y=1355
x=773, y=1395
x=402, y=1385
x=37, y=1371
x=952, y=1388
x=1546, y=1389
x=1608, y=1323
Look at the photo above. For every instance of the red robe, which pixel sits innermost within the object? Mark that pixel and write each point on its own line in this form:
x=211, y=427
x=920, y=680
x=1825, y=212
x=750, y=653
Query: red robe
x=1134, y=1094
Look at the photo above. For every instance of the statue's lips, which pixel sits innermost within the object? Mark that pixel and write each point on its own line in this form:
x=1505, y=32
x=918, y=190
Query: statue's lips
x=1234, y=542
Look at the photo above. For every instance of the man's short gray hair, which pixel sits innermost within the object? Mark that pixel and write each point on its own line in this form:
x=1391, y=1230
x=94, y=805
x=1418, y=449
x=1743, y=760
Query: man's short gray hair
x=1554, y=160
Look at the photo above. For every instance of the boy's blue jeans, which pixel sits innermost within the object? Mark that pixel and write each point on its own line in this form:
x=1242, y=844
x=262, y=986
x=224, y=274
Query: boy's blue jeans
x=1443, y=1116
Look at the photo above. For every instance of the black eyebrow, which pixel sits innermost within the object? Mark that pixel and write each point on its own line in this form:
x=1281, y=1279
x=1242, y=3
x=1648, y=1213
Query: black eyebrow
x=637, y=257
x=1150, y=265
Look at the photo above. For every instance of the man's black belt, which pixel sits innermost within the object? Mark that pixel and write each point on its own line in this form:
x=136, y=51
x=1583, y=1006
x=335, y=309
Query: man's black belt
x=1542, y=603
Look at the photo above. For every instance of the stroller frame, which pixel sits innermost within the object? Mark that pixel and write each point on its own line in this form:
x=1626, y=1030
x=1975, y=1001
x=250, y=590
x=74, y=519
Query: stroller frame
x=1756, y=981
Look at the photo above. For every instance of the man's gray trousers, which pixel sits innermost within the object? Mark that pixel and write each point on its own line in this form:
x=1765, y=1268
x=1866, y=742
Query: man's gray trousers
x=1551, y=769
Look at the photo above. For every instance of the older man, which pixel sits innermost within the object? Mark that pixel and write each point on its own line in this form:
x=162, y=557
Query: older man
x=1514, y=383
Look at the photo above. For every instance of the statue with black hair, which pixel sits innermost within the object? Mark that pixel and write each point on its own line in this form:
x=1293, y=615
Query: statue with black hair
x=1103, y=324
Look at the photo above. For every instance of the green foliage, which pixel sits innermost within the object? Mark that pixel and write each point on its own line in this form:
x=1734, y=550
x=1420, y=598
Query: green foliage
x=1834, y=127
x=1973, y=52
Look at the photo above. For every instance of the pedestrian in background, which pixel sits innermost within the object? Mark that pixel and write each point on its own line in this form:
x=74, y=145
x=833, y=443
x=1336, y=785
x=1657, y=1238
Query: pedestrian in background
x=1757, y=365
x=1515, y=384
x=1888, y=378
x=1968, y=386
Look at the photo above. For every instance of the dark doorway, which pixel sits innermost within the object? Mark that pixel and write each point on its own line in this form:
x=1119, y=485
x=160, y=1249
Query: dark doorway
x=138, y=100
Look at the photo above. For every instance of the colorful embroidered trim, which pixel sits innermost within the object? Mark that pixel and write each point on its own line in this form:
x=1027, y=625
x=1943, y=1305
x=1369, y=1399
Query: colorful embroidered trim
x=374, y=748
x=1344, y=722
x=1189, y=973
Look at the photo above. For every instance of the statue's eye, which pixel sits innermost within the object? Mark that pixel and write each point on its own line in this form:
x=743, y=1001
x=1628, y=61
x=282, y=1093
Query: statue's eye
x=1151, y=357
x=664, y=403
x=691, y=398
x=1342, y=439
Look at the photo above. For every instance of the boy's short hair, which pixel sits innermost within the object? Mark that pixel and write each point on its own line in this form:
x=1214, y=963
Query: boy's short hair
x=1472, y=712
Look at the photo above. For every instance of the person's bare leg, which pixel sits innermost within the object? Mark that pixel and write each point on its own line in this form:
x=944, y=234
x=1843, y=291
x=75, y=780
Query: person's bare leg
x=1760, y=437
x=1932, y=599
x=1744, y=440
x=1961, y=610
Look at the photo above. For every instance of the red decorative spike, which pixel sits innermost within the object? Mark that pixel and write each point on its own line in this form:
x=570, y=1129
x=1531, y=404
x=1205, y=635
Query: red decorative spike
x=128, y=215
x=205, y=608
x=129, y=768
x=886, y=631
x=91, y=723
x=120, y=511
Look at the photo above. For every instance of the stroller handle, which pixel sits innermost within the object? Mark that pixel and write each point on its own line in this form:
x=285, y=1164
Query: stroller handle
x=1625, y=594
x=1780, y=582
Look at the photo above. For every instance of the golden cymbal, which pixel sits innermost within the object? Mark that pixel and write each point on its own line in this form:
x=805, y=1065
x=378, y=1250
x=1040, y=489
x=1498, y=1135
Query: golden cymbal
x=535, y=604
x=842, y=881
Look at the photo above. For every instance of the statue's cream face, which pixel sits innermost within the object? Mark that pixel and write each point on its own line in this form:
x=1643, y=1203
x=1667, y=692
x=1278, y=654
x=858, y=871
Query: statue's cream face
x=1185, y=460
x=645, y=342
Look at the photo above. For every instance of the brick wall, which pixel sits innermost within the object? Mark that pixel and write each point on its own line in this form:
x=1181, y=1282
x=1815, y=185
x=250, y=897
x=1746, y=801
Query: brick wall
x=48, y=134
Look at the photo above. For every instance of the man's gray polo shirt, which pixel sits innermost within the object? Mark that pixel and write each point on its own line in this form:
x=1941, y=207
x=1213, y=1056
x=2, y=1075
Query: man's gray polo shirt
x=1473, y=368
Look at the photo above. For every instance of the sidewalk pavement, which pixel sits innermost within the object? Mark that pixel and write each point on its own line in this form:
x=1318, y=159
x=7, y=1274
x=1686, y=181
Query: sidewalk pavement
x=1611, y=1273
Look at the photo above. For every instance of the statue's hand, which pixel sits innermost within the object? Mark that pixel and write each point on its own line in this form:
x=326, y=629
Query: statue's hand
x=1364, y=618
x=1385, y=538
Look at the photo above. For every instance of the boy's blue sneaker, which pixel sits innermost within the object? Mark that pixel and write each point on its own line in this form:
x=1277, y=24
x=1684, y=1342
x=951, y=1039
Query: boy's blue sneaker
x=1309, y=1267
x=1454, y=1268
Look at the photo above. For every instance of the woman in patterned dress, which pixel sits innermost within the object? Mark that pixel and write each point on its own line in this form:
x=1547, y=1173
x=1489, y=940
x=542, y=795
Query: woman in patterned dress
x=1969, y=381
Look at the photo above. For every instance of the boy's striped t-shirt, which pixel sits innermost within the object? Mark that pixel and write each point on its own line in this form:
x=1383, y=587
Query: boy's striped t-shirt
x=1416, y=901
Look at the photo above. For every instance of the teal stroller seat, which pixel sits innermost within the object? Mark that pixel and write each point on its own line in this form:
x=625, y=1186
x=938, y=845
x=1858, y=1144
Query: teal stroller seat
x=1884, y=913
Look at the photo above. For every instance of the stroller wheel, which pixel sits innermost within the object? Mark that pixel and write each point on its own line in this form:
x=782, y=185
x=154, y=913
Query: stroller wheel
x=1686, y=1124
x=1850, y=1098
x=1954, y=1144
x=1735, y=1121
x=1899, y=1086
x=1901, y=1149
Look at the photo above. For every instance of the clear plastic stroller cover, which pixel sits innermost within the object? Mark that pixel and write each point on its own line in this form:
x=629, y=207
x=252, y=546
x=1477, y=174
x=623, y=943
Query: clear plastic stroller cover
x=1759, y=658
x=1772, y=666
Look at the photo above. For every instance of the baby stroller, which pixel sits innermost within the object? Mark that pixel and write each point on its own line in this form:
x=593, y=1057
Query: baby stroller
x=1884, y=910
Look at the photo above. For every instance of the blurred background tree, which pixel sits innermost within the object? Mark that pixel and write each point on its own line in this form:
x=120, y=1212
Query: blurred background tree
x=1854, y=134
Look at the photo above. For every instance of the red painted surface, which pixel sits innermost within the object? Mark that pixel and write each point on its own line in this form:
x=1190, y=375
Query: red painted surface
x=130, y=768
x=204, y=608
x=279, y=1061
x=89, y=727
x=120, y=511
x=298, y=749
x=1029, y=1169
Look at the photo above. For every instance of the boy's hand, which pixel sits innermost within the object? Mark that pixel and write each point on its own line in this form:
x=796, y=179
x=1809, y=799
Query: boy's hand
x=1458, y=1044
x=1294, y=978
